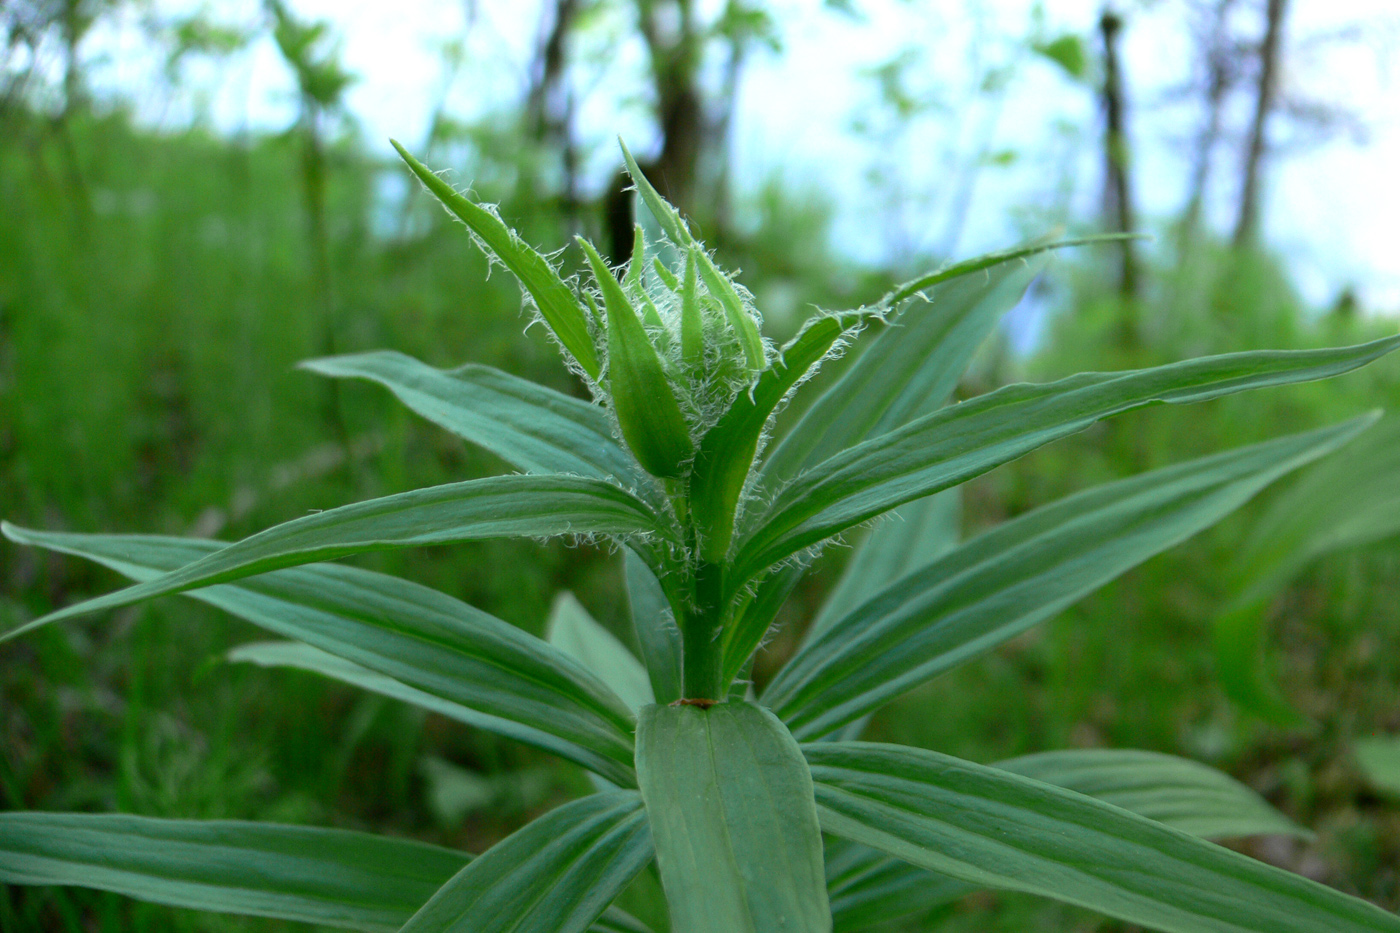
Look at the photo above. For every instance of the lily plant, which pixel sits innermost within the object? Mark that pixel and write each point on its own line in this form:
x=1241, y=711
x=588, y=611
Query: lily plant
x=760, y=812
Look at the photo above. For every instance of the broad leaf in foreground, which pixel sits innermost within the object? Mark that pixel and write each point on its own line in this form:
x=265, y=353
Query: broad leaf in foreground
x=485, y=671
x=1020, y=573
x=495, y=507
x=730, y=803
x=556, y=875
x=966, y=440
x=995, y=829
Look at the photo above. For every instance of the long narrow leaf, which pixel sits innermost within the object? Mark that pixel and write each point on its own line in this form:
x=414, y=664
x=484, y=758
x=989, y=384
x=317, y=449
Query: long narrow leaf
x=1176, y=792
x=479, y=669
x=960, y=442
x=495, y=507
x=995, y=829
x=531, y=427
x=868, y=887
x=1021, y=573
x=324, y=876
x=557, y=303
x=908, y=370
x=556, y=875
x=730, y=803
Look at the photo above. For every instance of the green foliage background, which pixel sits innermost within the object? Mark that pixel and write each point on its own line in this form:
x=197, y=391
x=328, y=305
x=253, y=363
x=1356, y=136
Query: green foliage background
x=156, y=291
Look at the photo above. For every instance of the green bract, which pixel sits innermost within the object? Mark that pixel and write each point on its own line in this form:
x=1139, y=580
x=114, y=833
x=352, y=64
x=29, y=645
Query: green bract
x=716, y=514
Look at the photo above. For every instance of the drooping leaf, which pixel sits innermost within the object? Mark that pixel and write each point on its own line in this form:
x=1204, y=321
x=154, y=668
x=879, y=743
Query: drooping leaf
x=329, y=877
x=533, y=428
x=642, y=396
x=727, y=450
x=962, y=441
x=730, y=802
x=655, y=625
x=402, y=640
x=1341, y=503
x=494, y=507
x=557, y=303
x=1018, y=574
x=995, y=829
x=556, y=875
x=868, y=887
x=576, y=633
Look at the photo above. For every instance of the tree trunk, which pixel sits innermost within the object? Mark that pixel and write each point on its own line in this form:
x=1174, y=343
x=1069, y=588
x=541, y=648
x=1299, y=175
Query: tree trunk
x=1218, y=81
x=549, y=106
x=1118, y=194
x=675, y=57
x=1247, y=226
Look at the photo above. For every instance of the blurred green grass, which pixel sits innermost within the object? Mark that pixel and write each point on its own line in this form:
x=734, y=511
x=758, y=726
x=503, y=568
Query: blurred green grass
x=155, y=294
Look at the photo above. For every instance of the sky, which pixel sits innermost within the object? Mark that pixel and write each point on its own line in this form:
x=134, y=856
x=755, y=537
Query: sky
x=1331, y=209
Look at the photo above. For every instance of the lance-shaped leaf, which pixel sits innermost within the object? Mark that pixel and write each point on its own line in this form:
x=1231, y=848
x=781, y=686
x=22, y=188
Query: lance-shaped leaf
x=730, y=803
x=908, y=369
x=995, y=829
x=531, y=427
x=655, y=626
x=557, y=303
x=329, y=877
x=1021, y=573
x=966, y=440
x=868, y=887
x=1176, y=792
x=716, y=282
x=642, y=397
x=299, y=656
x=402, y=640
x=728, y=449
x=576, y=633
x=494, y=507
x=556, y=875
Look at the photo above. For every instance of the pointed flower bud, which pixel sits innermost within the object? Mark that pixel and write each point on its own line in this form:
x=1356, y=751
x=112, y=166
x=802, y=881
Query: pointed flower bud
x=646, y=407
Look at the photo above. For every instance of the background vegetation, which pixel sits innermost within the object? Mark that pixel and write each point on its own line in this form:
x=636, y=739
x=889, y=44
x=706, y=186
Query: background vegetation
x=157, y=286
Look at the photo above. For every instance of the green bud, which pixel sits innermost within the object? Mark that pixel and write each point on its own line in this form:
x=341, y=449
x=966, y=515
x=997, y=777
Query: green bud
x=642, y=397
x=692, y=325
x=664, y=274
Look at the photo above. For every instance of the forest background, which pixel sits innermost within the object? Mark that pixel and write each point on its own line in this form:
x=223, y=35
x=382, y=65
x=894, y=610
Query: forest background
x=195, y=198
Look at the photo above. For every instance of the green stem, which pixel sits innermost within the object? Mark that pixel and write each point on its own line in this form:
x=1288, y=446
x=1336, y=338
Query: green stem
x=702, y=668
